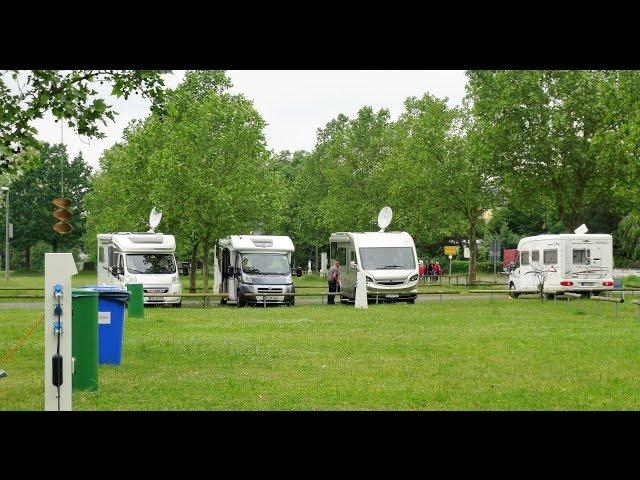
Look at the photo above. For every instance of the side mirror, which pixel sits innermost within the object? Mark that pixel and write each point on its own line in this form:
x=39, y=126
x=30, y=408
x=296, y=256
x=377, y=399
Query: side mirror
x=353, y=264
x=231, y=271
x=115, y=271
x=298, y=271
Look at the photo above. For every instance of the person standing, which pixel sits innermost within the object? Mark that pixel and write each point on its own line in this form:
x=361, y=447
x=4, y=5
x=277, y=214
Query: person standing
x=429, y=271
x=437, y=271
x=332, y=277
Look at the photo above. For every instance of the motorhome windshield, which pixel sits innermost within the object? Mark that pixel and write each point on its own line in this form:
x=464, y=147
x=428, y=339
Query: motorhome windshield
x=265, y=264
x=385, y=258
x=151, y=263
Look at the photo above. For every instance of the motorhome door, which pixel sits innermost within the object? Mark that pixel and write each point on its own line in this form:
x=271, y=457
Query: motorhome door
x=338, y=252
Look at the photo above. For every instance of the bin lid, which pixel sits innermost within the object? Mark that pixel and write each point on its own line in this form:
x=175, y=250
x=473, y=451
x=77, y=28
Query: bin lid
x=105, y=291
x=83, y=292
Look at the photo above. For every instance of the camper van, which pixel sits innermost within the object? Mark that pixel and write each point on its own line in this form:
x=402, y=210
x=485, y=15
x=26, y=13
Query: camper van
x=146, y=258
x=388, y=260
x=572, y=262
x=248, y=264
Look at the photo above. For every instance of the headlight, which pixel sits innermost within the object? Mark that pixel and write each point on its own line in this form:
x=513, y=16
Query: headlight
x=246, y=279
x=288, y=279
x=369, y=279
x=414, y=278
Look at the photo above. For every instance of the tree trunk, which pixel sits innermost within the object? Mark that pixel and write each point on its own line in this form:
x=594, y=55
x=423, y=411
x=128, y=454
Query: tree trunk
x=205, y=269
x=473, y=250
x=317, y=261
x=194, y=267
x=27, y=258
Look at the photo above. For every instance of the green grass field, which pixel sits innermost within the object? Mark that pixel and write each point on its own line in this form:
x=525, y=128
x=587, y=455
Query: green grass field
x=451, y=355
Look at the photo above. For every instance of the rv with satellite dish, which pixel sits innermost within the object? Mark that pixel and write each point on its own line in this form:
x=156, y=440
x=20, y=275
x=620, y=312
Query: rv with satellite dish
x=247, y=265
x=573, y=262
x=387, y=259
x=141, y=257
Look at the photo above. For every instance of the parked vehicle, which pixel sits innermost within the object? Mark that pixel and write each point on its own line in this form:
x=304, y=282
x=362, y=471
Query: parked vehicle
x=388, y=260
x=572, y=262
x=247, y=264
x=147, y=258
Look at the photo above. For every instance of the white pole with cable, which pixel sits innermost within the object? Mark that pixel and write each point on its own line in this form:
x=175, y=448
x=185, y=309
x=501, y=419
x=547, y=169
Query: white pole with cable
x=58, y=270
x=6, y=236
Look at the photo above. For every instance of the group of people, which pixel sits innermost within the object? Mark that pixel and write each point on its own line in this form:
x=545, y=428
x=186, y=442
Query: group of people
x=429, y=271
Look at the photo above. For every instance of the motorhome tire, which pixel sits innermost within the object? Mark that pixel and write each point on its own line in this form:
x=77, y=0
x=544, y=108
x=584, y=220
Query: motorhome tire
x=177, y=305
x=223, y=301
x=512, y=287
x=412, y=301
x=242, y=302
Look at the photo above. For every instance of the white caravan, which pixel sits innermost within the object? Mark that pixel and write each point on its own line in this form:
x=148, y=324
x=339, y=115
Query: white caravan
x=247, y=264
x=147, y=258
x=388, y=260
x=574, y=262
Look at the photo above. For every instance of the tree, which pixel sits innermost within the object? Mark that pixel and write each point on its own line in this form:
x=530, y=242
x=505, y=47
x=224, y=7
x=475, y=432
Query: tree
x=556, y=129
x=70, y=96
x=32, y=192
x=204, y=164
x=441, y=179
x=627, y=236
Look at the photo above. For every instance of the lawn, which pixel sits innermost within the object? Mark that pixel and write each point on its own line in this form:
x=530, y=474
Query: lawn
x=451, y=355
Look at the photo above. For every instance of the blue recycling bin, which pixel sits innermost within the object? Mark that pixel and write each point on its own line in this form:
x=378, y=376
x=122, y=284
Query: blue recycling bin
x=112, y=304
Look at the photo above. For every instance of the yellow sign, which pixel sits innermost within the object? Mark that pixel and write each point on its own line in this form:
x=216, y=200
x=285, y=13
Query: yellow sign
x=450, y=250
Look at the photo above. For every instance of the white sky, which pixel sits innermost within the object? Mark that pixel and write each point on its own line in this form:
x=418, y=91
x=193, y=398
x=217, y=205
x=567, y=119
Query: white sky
x=294, y=103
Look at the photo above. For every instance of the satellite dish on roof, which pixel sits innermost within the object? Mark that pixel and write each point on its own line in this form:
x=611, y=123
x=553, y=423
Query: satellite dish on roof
x=154, y=219
x=384, y=218
x=581, y=230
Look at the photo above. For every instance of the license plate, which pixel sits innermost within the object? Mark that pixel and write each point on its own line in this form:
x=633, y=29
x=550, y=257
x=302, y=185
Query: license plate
x=392, y=295
x=275, y=298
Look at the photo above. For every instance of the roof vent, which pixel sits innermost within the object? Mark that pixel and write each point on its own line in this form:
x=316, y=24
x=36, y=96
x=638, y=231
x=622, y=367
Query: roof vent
x=263, y=243
x=146, y=238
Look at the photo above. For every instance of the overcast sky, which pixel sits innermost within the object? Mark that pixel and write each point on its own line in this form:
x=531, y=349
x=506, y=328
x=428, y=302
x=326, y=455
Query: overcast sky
x=294, y=103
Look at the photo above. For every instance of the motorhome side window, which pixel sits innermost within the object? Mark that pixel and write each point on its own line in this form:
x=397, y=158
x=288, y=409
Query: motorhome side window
x=110, y=255
x=580, y=256
x=524, y=258
x=341, y=254
x=535, y=255
x=550, y=257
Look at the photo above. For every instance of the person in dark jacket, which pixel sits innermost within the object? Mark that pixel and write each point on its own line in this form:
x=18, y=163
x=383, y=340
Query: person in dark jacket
x=333, y=278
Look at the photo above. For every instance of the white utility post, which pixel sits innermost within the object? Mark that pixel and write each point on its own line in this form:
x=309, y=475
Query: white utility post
x=58, y=270
x=450, y=257
x=323, y=262
x=361, y=290
x=6, y=235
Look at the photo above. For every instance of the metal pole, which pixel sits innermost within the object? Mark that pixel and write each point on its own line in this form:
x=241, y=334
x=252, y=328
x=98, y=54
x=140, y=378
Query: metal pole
x=6, y=238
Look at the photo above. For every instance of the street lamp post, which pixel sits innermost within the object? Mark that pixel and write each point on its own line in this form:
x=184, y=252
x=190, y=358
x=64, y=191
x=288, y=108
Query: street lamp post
x=6, y=236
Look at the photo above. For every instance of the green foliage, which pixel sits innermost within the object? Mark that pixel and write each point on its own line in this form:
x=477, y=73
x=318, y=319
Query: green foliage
x=70, y=97
x=556, y=136
x=627, y=236
x=31, y=196
x=204, y=164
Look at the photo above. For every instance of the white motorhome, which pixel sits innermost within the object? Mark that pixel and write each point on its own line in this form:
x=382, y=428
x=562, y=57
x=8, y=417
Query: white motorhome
x=146, y=258
x=247, y=264
x=572, y=262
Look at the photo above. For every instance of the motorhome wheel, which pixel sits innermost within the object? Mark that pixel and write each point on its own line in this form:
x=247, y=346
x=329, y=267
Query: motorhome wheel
x=242, y=302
